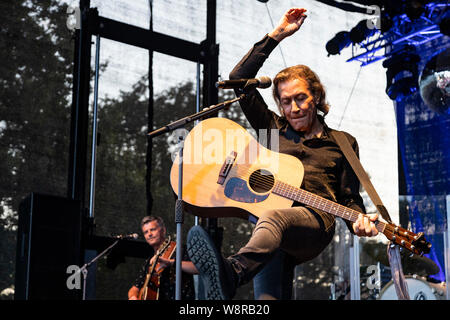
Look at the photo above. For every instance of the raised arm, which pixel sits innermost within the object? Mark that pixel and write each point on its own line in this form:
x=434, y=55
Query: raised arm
x=290, y=23
x=250, y=64
x=254, y=106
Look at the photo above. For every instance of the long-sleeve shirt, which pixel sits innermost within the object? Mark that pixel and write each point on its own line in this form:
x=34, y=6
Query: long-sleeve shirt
x=167, y=281
x=327, y=173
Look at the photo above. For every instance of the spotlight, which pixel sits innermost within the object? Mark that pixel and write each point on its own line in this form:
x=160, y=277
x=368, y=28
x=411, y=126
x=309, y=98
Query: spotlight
x=338, y=42
x=444, y=26
x=415, y=8
x=361, y=32
x=386, y=22
x=401, y=74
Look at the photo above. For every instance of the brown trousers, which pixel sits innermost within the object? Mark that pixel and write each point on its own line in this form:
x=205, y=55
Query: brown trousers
x=298, y=231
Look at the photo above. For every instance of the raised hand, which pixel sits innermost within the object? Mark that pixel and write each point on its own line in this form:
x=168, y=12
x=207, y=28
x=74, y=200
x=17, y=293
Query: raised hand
x=290, y=23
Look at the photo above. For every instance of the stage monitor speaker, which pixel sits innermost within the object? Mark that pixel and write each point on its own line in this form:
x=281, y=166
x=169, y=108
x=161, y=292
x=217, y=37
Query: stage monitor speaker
x=48, y=242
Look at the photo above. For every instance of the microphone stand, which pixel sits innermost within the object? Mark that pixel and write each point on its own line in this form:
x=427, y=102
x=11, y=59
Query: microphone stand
x=179, y=214
x=184, y=121
x=84, y=269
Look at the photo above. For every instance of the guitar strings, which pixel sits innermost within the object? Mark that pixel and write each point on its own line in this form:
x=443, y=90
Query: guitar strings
x=268, y=181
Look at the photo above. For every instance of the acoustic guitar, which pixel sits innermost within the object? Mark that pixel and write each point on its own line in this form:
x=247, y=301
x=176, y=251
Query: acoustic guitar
x=150, y=289
x=227, y=173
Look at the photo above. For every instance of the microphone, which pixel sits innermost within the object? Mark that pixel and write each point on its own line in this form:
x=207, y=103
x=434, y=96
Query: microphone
x=261, y=82
x=127, y=236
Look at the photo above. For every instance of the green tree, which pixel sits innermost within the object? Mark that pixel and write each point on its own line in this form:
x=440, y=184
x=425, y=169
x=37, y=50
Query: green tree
x=35, y=103
x=120, y=192
x=36, y=54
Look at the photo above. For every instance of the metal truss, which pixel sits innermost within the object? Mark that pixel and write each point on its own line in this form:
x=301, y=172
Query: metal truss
x=404, y=32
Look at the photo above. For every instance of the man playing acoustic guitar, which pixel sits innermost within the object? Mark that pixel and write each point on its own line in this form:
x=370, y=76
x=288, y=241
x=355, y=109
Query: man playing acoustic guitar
x=156, y=280
x=301, y=232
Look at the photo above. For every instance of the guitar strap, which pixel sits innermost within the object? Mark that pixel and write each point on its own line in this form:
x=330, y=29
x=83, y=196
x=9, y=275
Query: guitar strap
x=398, y=277
x=363, y=177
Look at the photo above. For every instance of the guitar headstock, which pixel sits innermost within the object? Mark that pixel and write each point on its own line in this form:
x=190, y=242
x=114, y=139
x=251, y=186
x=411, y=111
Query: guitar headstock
x=163, y=246
x=416, y=243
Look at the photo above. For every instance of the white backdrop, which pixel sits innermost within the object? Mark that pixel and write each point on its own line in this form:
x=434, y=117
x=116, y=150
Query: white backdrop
x=368, y=114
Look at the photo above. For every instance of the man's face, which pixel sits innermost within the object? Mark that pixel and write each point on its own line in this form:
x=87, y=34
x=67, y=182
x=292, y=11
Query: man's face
x=153, y=233
x=297, y=104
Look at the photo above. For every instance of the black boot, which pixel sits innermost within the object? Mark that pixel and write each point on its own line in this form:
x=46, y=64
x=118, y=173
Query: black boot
x=217, y=274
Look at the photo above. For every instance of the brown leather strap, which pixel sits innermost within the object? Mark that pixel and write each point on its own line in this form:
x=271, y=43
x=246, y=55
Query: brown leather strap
x=350, y=154
x=400, y=284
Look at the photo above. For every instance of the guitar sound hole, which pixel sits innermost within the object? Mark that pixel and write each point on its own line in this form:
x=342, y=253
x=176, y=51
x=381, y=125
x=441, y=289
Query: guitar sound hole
x=261, y=181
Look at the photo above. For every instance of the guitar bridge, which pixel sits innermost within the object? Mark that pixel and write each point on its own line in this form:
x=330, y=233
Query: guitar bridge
x=226, y=167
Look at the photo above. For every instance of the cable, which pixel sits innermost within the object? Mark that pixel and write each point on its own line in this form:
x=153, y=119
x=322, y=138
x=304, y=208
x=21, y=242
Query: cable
x=285, y=64
x=349, y=97
x=273, y=26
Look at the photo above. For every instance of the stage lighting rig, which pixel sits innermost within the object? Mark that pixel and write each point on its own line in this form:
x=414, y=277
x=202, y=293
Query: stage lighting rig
x=414, y=9
x=344, y=38
x=340, y=41
x=386, y=22
x=361, y=31
x=444, y=26
x=402, y=73
x=404, y=31
x=400, y=23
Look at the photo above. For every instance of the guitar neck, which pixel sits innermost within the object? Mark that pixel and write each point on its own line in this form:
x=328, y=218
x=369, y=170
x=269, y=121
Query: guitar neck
x=293, y=193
